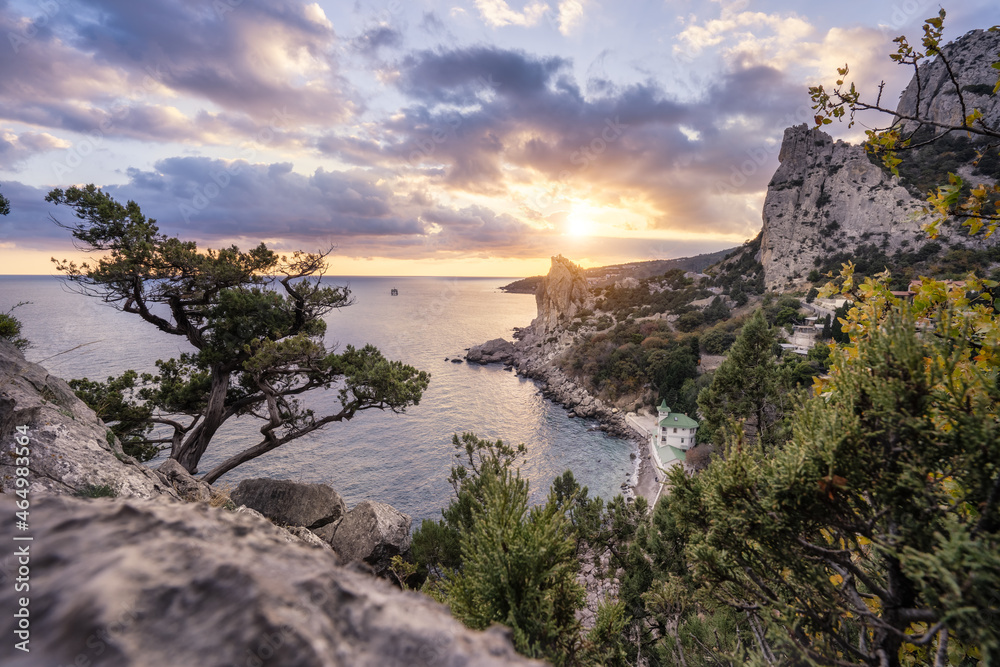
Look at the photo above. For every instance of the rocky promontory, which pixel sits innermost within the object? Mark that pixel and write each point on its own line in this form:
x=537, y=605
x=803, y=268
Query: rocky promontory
x=562, y=294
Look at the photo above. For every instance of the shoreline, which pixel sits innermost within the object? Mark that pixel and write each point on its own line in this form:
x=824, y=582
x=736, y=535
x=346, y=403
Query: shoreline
x=557, y=388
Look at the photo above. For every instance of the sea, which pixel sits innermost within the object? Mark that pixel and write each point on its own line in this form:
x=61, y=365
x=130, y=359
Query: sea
x=400, y=459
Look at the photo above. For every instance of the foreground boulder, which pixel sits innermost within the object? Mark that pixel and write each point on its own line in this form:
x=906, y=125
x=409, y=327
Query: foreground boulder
x=150, y=584
x=373, y=533
x=291, y=503
x=494, y=351
x=187, y=487
x=71, y=450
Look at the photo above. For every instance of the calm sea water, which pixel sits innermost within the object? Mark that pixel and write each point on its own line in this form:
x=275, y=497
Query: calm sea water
x=400, y=459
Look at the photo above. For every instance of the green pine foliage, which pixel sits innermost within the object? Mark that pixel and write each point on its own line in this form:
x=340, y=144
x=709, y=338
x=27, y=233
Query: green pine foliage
x=874, y=526
x=514, y=565
x=10, y=328
x=747, y=388
x=255, y=320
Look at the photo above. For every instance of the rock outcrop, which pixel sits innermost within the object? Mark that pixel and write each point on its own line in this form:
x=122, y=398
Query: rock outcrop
x=827, y=196
x=71, y=449
x=291, y=503
x=971, y=57
x=562, y=293
x=151, y=584
x=494, y=351
x=373, y=533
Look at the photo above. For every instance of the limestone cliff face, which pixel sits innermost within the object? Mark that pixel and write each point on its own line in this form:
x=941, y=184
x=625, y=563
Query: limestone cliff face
x=561, y=295
x=69, y=445
x=971, y=57
x=827, y=196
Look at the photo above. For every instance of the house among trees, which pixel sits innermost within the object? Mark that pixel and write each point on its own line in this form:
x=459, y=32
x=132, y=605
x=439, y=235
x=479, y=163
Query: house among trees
x=673, y=436
x=804, y=336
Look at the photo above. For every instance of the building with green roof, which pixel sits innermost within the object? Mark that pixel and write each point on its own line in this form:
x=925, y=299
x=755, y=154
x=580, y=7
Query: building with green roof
x=673, y=436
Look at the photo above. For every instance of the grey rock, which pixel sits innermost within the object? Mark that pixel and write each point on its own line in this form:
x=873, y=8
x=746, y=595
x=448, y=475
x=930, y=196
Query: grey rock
x=494, y=351
x=70, y=448
x=292, y=534
x=971, y=56
x=326, y=532
x=291, y=503
x=189, y=488
x=134, y=583
x=828, y=193
x=563, y=293
x=308, y=537
x=374, y=533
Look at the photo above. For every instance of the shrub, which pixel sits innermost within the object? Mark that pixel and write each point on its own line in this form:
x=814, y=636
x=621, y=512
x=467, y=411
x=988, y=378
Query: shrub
x=98, y=491
x=10, y=328
x=717, y=341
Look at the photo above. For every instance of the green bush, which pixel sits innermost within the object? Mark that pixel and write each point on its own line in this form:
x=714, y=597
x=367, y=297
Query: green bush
x=717, y=341
x=10, y=329
x=98, y=491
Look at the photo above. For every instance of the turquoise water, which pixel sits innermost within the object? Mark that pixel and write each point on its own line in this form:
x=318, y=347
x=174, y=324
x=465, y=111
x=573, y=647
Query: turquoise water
x=400, y=459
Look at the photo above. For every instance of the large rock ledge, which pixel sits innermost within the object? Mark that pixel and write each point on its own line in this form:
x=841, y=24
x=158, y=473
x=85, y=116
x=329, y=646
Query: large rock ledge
x=70, y=447
x=137, y=582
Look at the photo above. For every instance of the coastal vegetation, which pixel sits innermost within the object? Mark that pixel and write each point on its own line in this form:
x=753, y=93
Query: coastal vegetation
x=254, y=320
x=10, y=328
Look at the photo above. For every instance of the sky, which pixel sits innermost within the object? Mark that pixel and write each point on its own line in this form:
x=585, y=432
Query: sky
x=467, y=137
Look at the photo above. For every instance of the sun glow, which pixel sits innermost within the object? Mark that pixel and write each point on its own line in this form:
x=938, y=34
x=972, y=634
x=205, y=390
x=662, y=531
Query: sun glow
x=578, y=224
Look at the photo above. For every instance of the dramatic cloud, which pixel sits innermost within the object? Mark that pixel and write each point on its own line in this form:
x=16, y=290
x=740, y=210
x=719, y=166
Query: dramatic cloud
x=110, y=66
x=492, y=121
x=15, y=149
x=497, y=13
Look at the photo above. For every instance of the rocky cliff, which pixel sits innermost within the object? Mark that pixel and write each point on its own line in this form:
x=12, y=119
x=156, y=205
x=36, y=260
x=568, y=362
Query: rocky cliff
x=562, y=293
x=828, y=196
x=971, y=57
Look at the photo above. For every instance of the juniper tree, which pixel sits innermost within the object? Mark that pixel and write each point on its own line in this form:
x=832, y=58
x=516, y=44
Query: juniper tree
x=516, y=565
x=254, y=320
x=873, y=534
x=747, y=386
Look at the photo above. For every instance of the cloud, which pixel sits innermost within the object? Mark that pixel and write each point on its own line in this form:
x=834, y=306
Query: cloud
x=677, y=165
x=15, y=149
x=497, y=13
x=432, y=24
x=217, y=202
x=234, y=60
x=379, y=37
x=463, y=76
x=570, y=15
